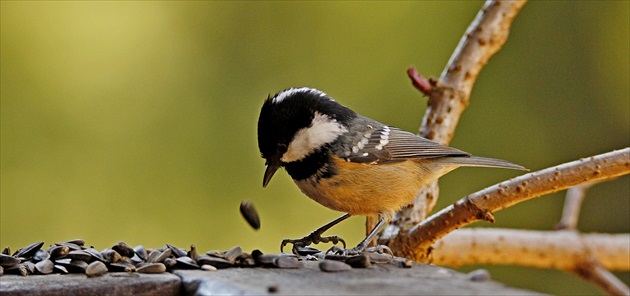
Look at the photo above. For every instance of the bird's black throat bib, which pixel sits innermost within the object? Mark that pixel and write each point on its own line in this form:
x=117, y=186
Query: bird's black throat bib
x=316, y=165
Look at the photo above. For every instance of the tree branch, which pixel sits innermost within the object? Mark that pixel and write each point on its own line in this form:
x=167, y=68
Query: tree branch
x=565, y=250
x=449, y=96
x=416, y=243
x=484, y=37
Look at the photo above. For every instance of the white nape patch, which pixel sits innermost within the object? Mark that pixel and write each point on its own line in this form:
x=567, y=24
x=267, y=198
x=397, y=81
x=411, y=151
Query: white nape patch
x=384, y=138
x=323, y=130
x=291, y=91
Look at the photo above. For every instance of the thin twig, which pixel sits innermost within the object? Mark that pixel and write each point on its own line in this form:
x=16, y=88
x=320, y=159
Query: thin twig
x=418, y=81
x=593, y=271
x=449, y=96
x=572, y=204
x=416, y=243
x=563, y=250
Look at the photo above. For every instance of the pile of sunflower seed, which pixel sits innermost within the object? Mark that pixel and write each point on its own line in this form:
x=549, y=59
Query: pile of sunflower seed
x=74, y=257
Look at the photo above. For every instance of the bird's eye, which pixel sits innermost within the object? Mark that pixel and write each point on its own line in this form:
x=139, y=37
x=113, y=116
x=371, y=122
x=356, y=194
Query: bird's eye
x=282, y=148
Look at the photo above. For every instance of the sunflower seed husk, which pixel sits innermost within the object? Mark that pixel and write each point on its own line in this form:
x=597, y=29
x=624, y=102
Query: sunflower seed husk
x=29, y=251
x=267, y=259
x=288, y=262
x=256, y=253
x=248, y=262
x=123, y=249
x=232, y=254
x=58, y=252
x=208, y=267
x=44, y=267
x=140, y=251
x=20, y=269
x=153, y=256
x=307, y=251
x=214, y=261
x=63, y=261
x=30, y=267
x=114, y=267
x=135, y=259
x=177, y=252
x=110, y=255
x=96, y=268
x=125, y=259
x=8, y=261
x=216, y=253
x=243, y=256
x=380, y=257
x=77, y=266
x=186, y=262
x=250, y=214
x=72, y=265
x=95, y=254
x=333, y=266
x=71, y=246
x=170, y=263
x=60, y=269
x=166, y=254
x=79, y=255
x=41, y=255
x=193, y=253
x=79, y=242
x=359, y=261
x=310, y=258
x=152, y=268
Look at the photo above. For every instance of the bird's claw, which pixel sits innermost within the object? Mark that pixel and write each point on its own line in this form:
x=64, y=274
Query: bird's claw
x=313, y=238
x=380, y=249
x=343, y=251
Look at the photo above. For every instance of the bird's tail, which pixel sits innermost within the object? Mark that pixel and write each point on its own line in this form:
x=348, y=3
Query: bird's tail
x=478, y=161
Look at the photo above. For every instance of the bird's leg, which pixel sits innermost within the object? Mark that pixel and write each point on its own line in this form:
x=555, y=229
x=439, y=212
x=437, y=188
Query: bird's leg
x=362, y=246
x=316, y=236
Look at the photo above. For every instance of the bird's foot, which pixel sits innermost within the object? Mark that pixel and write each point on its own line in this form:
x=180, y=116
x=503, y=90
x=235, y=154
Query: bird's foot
x=313, y=238
x=380, y=249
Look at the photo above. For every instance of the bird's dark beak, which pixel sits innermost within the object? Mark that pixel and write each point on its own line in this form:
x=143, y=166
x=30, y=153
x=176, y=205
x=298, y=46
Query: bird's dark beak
x=272, y=166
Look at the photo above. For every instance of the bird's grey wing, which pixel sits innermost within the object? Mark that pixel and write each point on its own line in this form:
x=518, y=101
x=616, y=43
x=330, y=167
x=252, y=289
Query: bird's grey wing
x=369, y=141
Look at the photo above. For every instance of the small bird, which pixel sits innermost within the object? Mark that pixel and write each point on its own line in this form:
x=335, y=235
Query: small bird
x=348, y=162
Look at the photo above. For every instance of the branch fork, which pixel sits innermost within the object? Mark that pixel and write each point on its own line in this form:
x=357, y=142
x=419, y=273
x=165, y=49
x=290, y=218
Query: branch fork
x=412, y=235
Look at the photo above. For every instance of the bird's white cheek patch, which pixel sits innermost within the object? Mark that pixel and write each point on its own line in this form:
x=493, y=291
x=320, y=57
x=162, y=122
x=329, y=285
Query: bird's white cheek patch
x=323, y=130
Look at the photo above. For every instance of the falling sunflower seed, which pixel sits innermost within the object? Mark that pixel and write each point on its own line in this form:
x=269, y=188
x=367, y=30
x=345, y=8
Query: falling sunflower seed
x=249, y=213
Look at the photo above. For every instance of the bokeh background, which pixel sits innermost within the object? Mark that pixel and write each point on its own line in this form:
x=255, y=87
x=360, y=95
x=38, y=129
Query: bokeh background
x=136, y=121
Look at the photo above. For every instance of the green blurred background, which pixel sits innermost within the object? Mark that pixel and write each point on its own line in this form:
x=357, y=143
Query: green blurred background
x=136, y=121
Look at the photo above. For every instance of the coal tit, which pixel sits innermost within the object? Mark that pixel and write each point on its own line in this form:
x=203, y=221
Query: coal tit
x=348, y=162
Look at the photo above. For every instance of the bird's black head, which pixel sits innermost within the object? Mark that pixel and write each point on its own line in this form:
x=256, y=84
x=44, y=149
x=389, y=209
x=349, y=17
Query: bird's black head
x=297, y=122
